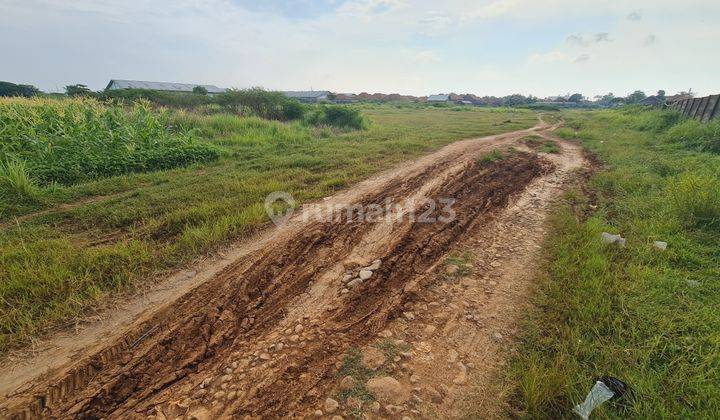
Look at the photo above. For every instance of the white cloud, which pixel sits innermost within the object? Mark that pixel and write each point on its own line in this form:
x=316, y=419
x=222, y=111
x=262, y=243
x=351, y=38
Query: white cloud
x=601, y=37
x=635, y=15
x=427, y=57
x=498, y=8
x=371, y=7
x=583, y=40
x=566, y=9
x=582, y=57
x=549, y=57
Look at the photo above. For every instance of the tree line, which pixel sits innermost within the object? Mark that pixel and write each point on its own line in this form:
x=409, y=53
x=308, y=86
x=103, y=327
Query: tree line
x=199, y=96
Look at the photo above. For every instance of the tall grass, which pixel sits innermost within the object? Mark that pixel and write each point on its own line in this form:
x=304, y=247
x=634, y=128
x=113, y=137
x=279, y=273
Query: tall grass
x=697, y=135
x=695, y=198
x=15, y=182
x=644, y=119
x=647, y=316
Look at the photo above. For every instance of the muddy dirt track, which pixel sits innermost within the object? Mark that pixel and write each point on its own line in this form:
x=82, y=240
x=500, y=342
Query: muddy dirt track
x=264, y=336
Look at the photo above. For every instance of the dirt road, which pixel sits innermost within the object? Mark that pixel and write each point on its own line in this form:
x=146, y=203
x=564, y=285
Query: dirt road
x=275, y=329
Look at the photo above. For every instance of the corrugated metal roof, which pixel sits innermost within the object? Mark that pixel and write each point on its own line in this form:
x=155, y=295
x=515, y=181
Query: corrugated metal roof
x=307, y=94
x=172, y=87
x=438, y=98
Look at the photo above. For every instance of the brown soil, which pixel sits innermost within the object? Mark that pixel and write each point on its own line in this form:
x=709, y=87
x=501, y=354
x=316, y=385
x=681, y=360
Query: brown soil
x=263, y=335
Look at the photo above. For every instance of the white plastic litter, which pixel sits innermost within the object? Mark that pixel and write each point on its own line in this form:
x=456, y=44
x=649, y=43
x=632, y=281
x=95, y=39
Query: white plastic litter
x=662, y=246
x=609, y=238
x=598, y=395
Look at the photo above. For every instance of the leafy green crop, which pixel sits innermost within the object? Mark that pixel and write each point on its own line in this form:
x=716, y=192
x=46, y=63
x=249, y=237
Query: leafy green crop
x=81, y=139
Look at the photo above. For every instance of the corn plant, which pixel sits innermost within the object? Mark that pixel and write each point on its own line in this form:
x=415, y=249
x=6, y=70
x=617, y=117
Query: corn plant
x=74, y=140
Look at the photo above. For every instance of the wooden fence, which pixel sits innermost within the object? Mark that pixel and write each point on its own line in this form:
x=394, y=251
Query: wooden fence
x=703, y=109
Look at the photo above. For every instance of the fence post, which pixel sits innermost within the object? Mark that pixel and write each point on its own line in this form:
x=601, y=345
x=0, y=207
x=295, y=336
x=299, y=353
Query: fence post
x=701, y=108
x=694, y=107
x=686, y=108
x=711, y=108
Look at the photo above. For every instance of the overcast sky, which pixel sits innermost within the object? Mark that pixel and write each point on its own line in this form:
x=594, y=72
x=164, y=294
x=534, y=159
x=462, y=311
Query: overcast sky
x=487, y=47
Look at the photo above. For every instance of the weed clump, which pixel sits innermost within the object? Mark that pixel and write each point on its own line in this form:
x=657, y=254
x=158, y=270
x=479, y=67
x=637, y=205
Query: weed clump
x=336, y=116
x=654, y=120
x=491, y=157
x=15, y=182
x=697, y=135
x=694, y=198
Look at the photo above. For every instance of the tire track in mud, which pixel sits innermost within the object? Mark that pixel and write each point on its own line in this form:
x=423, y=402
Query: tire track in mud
x=367, y=310
x=220, y=328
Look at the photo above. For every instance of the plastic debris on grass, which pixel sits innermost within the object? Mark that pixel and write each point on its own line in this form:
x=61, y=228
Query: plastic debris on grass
x=605, y=389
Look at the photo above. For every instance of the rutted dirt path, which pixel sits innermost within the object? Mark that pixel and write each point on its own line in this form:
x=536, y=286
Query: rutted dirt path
x=266, y=333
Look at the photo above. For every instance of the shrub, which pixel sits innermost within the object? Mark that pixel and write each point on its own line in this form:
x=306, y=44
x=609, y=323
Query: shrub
x=293, y=110
x=261, y=103
x=74, y=140
x=159, y=98
x=694, y=198
x=78, y=90
x=336, y=116
x=697, y=135
x=654, y=120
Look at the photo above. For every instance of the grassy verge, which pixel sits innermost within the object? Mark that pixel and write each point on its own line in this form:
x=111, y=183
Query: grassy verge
x=648, y=317
x=112, y=234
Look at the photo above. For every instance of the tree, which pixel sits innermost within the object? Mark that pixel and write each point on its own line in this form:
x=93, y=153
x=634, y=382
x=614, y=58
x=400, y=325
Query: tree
x=606, y=99
x=515, y=100
x=575, y=97
x=200, y=90
x=635, y=97
x=78, y=90
x=661, y=94
x=257, y=101
x=11, y=89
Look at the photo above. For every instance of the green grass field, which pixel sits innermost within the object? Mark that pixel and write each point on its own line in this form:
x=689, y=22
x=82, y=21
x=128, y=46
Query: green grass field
x=95, y=238
x=648, y=317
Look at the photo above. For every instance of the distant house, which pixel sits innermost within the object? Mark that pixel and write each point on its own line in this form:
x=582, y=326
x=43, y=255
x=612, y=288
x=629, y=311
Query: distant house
x=309, y=96
x=117, y=84
x=655, y=101
x=345, y=98
x=438, y=98
x=678, y=97
x=661, y=101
